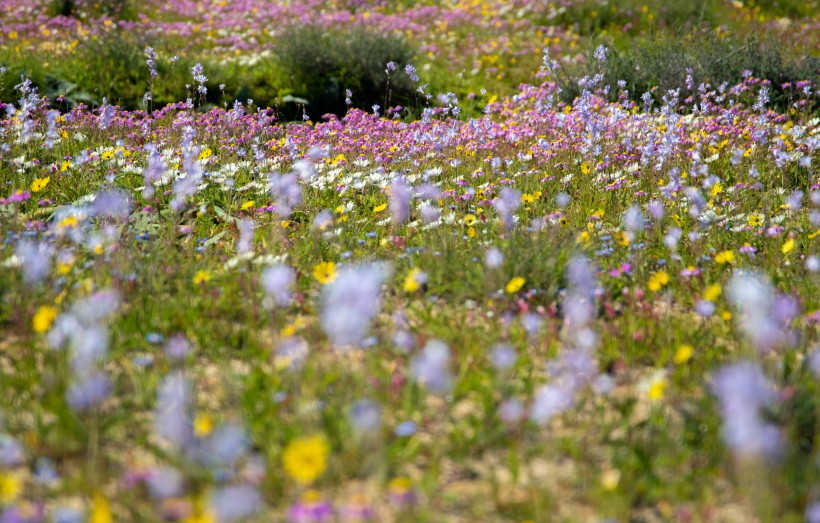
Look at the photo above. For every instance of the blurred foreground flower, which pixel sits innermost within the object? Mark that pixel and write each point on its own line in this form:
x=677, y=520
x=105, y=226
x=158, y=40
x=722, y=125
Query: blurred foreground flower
x=305, y=458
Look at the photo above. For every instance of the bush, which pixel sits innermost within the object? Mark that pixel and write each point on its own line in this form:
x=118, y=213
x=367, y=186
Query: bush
x=662, y=61
x=319, y=64
x=117, y=9
x=589, y=17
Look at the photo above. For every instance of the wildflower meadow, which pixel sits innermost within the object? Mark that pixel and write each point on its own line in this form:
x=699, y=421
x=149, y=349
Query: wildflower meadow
x=319, y=261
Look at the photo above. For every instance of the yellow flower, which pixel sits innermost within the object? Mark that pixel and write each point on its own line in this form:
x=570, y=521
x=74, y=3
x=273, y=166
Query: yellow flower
x=380, y=208
x=247, y=205
x=683, y=354
x=107, y=155
x=39, y=184
x=586, y=168
x=200, y=514
x=412, y=282
x=10, y=488
x=400, y=485
x=725, y=257
x=66, y=165
x=788, y=246
x=712, y=292
x=205, y=154
x=755, y=220
x=202, y=277
x=325, y=272
x=610, y=479
x=717, y=188
x=100, y=510
x=658, y=281
x=515, y=284
x=469, y=220
x=656, y=387
x=305, y=458
x=43, y=318
x=70, y=221
x=203, y=425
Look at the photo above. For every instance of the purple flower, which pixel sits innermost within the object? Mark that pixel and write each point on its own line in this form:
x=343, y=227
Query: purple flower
x=506, y=204
x=177, y=347
x=813, y=513
x=11, y=452
x=286, y=192
x=365, y=416
x=236, y=502
x=743, y=391
x=311, y=509
x=410, y=70
x=351, y=301
x=814, y=362
x=400, y=193
x=227, y=445
x=551, y=400
x=165, y=482
x=244, y=244
x=277, y=281
x=431, y=367
x=172, y=415
x=511, y=411
x=503, y=357
x=764, y=318
x=151, y=61
x=88, y=392
x=35, y=259
x=153, y=172
x=493, y=258
x=112, y=203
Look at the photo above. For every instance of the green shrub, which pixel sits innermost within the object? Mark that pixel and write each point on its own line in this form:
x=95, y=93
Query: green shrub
x=320, y=64
x=117, y=9
x=662, y=61
x=590, y=17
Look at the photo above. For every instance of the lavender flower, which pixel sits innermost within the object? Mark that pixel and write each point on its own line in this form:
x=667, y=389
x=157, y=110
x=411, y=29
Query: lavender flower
x=286, y=191
x=277, y=281
x=493, y=258
x=151, y=61
x=236, y=502
x=200, y=78
x=244, y=244
x=506, y=204
x=410, y=70
x=400, y=193
x=177, y=347
x=764, y=318
x=351, y=302
x=165, y=482
x=365, y=416
x=743, y=391
x=106, y=115
x=88, y=392
x=153, y=172
x=172, y=416
x=112, y=203
x=431, y=367
x=35, y=259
